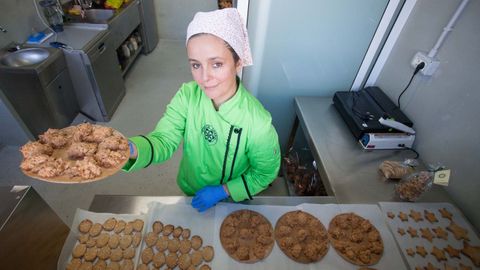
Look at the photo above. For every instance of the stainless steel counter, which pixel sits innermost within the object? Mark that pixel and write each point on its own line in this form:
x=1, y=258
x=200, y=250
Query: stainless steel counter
x=127, y=204
x=349, y=172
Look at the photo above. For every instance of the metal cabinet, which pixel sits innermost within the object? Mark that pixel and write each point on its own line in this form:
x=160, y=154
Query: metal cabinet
x=124, y=24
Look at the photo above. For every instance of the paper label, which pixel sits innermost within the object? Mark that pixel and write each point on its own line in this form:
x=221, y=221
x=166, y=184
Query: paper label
x=442, y=177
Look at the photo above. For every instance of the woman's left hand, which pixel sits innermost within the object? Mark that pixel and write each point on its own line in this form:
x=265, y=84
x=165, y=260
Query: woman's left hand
x=208, y=197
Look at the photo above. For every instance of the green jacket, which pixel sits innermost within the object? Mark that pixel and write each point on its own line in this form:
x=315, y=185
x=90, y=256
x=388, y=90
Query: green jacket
x=236, y=145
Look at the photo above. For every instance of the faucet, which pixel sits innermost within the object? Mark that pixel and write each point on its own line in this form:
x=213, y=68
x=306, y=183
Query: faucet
x=3, y=29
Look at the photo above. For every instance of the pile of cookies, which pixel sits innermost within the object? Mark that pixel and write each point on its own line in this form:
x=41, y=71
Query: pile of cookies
x=111, y=245
x=171, y=246
x=75, y=153
x=425, y=226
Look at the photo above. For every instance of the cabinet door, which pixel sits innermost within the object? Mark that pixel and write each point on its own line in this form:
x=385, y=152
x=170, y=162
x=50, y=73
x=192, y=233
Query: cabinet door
x=61, y=98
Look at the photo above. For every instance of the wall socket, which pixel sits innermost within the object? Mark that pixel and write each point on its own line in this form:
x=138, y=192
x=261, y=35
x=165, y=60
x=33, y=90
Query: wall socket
x=431, y=64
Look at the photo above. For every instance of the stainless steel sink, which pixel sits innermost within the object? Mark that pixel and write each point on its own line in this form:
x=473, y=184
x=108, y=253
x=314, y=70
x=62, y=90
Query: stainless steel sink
x=24, y=57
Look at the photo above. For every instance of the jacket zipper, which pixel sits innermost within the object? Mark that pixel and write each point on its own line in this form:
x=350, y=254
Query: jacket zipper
x=226, y=154
x=239, y=132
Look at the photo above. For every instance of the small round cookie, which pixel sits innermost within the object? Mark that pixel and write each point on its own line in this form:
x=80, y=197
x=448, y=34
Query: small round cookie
x=125, y=241
x=95, y=229
x=158, y=259
x=173, y=245
x=137, y=225
x=147, y=255
x=162, y=243
x=196, y=242
x=102, y=240
x=114, y=241
x=185, y=246
x=74, y=264
x=128, y=228
x=91, y=242
x=109, y=224
x=142, y=266
x=171, y=260
x=120, y=226
x=104, y=253
x=184, y=261
x=116, y=254
x=167, y=229
x=150, y=239
x=208, y=253
x=127, y=265
x=205, y=267
x=186, y=233
x=85, y=226
x=157, y=226
x=197, y=257
x=137, y=238
x=91, y=254
x=129, y=253
x=83, y=238
x=113, y=266
x=86, y=266
x=177, y=232
x=100, y=265
x=79, y=250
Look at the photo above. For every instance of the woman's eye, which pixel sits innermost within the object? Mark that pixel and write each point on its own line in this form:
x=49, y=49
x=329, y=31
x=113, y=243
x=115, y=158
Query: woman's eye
x=217, y=65
x=195, y=66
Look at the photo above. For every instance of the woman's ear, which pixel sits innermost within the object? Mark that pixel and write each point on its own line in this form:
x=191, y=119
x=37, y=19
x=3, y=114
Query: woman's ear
x=239, y=65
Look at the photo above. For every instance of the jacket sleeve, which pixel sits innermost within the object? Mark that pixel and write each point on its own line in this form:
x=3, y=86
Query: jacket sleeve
x=160, y=144
x=263, y=152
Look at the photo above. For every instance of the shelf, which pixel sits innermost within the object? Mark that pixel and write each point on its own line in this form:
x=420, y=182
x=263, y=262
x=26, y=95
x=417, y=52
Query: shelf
x=131, y=60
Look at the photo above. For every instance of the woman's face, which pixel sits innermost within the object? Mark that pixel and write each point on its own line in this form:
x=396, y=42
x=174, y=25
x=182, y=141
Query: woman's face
x=213, y=67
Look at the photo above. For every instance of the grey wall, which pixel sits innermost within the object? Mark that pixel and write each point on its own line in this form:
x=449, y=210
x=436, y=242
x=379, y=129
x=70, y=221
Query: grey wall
x=12, y=132
x=173, y=16
x=444, y=107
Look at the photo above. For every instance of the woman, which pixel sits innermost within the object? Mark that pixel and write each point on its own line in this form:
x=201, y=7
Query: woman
x=230, y=148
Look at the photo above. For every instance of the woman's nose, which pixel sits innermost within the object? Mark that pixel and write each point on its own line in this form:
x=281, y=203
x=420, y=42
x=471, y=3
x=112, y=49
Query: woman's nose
x=206, y=74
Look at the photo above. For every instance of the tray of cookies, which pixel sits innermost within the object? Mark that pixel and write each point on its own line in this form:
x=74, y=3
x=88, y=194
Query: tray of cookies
x=302, y=238
x=103, y=241
x=433, y=235
x=76, y=154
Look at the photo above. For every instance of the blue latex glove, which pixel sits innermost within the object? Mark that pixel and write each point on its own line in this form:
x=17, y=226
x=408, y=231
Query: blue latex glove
x=208, y=197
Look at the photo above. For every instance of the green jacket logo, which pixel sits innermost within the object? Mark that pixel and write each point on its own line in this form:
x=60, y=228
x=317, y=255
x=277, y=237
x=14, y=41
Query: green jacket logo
x=209, y=134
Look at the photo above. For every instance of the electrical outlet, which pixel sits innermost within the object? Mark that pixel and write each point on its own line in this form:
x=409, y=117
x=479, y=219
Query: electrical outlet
x=431, y=64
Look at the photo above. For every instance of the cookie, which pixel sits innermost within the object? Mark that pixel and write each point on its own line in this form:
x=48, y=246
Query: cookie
x=177, y=232
x=147, y=255
x=430, y=216
x=85, y=266
x=85, y=225
x=150, y=239
x=116, y=254
x=126, y=241
x=402, y=216
x=445, y=213
x=185, y=246
x=171, y=260
x=167, y=229
x=162, y=243
x=461, y=266
x=186, y=233
x=417, y=216
x=458, y=232
x=100, y=265
x=196, y=257
x=109, y=224
x=449, y=267
x=91, y=242
x=127, y=265
x=74, y=264
x=114, y=241
x=113, y=265
x=440, y=233
x=355, y=239
x=142, y=266
x=205, y=267
x=83, y=238
x=184, y=261
x=104, y=253
x=196, y=242
x=79, y=250
x=452, y=252
x=401, y=231
x=412, y=231
x=208, y=253
x=391, y=215
x=95, y=229
x=120, y=226
x=427, y=234
x=439, y=254
x=137, y=238
x=129, y=253
x=137, y=225
x=157, y=227
x=102, y=240
x=410, y=252
x=472, y=252
x=430, y=267
x=158, y=259
x=173, y=245
x=128, y=228
x=421, y=251
x=91, y=254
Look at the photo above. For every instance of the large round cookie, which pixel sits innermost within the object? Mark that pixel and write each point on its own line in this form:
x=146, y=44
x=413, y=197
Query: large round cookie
x=75, y=154
x=301, y=236
x=355, y=239
x=247, y=236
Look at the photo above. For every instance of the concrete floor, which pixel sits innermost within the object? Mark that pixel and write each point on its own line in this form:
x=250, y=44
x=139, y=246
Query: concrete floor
x=151, y=83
